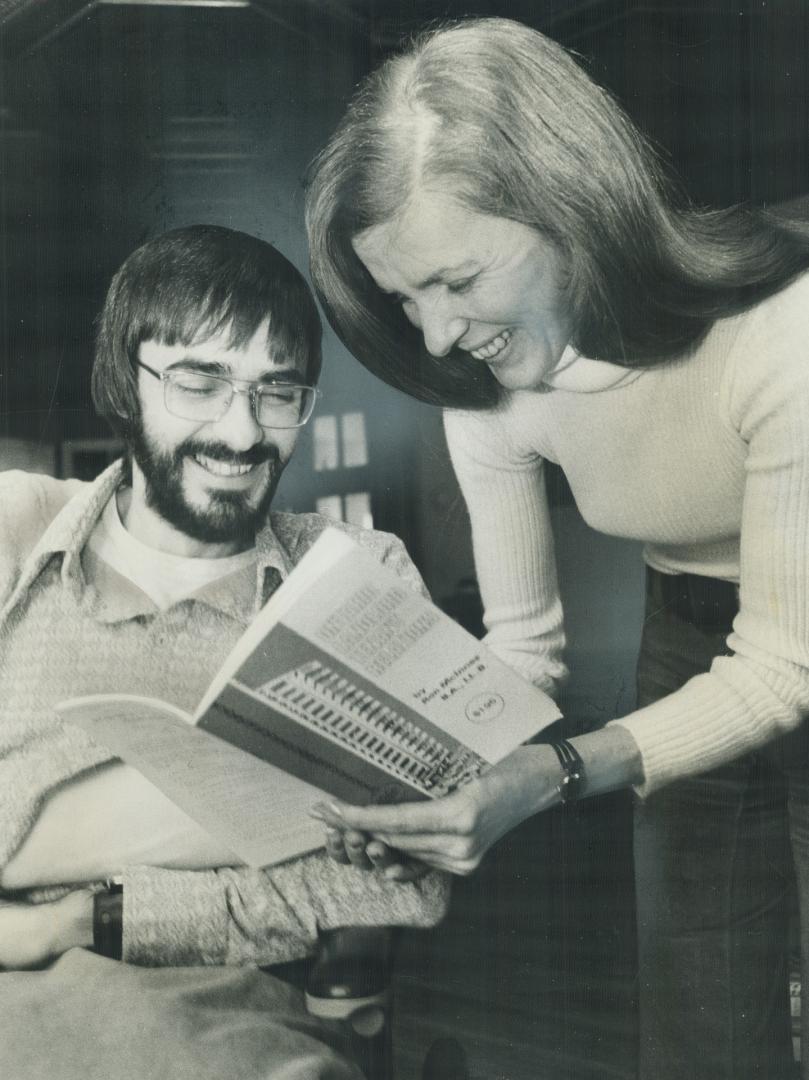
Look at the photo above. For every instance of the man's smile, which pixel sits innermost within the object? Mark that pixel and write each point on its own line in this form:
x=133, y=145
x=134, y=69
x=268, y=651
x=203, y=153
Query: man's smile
x=222, y=468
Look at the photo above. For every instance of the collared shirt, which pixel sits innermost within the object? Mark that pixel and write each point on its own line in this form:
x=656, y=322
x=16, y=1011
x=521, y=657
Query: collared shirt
x=71, y=627
x=106, y=593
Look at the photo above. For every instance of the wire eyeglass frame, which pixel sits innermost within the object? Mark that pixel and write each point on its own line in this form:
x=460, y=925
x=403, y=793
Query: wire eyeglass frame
x=173, y=393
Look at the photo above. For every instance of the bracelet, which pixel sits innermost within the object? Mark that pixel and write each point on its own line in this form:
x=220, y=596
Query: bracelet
x=108, y=922
x=571, y=785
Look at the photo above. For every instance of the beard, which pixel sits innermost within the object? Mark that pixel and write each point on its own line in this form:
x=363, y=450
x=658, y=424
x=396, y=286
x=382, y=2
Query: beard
x=230, y=516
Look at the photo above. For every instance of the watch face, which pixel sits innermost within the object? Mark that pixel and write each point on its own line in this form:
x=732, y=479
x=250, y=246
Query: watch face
x=570, y=787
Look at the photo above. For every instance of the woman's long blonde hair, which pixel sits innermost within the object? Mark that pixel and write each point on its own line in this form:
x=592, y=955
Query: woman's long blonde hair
x=517, y=129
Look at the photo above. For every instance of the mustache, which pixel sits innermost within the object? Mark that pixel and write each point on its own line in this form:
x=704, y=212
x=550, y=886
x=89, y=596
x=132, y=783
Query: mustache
x=218, y=451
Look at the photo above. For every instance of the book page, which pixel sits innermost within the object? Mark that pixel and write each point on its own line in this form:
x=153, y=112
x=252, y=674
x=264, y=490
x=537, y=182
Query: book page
x=256, y=809
x=373, y=623
x=351, y=679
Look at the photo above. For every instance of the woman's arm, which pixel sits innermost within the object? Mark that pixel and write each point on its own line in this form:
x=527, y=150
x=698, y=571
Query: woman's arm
x=761, y=690
x=503, y=485
x=504, y=489
x=455, y=832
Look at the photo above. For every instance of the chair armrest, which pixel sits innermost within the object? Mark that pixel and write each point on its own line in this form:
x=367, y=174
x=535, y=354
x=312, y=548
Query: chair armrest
x=350, y=980
x=351, y=973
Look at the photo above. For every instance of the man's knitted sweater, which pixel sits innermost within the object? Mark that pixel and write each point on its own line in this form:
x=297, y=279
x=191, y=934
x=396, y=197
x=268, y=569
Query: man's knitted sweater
x=70, y=627
x=705, y=460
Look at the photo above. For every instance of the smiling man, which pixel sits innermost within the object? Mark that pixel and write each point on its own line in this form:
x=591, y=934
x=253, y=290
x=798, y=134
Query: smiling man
x=140, y=582
x=206, y=497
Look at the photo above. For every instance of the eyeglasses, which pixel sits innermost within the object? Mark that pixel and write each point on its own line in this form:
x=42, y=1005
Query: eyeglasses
x=193, y=395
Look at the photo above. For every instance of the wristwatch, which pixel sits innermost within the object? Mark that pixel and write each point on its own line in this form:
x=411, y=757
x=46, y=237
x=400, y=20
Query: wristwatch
x=108, y=921
x=571, y=786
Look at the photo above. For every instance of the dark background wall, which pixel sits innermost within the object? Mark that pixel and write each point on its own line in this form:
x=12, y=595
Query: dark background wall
x=120, y=120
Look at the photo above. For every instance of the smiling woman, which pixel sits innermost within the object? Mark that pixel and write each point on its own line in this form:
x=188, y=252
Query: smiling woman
x=490, y=233
x=505, y=123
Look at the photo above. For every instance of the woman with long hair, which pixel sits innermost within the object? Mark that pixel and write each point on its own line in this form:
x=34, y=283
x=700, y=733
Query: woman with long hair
x=489, y=233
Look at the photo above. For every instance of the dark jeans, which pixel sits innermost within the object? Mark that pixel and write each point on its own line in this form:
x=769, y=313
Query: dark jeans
x=716, y=858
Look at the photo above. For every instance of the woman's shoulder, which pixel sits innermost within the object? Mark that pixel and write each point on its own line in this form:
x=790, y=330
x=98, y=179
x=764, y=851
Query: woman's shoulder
x=515, y=430
x=778, y=320
x=769, y=358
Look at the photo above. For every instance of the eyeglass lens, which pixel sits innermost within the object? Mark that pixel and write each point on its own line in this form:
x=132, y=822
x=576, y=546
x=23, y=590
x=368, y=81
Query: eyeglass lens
x=195, y=396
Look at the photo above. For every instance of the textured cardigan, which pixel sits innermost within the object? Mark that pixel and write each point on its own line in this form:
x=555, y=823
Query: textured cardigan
x=67, y=630
x=705, y=460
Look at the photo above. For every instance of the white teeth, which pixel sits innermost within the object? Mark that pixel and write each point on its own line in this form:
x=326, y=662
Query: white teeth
x=221, y=468
x=493, y=347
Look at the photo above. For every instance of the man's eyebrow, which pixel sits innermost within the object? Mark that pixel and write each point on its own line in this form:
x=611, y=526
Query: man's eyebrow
x=191, y=363
x=285, y=375
x=288, y=374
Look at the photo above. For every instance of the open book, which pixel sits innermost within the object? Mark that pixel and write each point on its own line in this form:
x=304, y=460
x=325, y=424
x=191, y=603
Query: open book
x=348, y=682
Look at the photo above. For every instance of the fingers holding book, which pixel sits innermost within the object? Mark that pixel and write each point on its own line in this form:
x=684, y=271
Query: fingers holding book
x=406, y=839
x=353, y=848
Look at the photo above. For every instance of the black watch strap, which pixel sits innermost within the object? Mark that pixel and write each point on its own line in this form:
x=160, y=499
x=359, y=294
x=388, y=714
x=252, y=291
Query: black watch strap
x=571, y=786
x=108, y=921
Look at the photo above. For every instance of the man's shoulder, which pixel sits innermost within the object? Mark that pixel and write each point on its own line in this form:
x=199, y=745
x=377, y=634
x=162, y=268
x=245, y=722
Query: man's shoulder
x=297, y=533
x=28, y=504
x=30, y=501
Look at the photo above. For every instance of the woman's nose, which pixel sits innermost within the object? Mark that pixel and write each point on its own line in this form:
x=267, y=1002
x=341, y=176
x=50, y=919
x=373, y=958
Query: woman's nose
x=441, y=329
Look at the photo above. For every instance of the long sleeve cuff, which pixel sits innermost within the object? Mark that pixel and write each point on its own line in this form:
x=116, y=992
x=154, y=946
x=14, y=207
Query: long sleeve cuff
x=244, y=916
x=174, y=918
x=711, y=720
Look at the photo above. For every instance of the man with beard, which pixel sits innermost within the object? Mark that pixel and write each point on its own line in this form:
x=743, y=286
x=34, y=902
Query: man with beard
x=140, y=582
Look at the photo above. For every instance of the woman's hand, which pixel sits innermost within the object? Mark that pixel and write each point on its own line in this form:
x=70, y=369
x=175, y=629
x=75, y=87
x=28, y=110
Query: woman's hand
x=33, y=934
x=455, y=832
x=452, y=833
x=353, y=848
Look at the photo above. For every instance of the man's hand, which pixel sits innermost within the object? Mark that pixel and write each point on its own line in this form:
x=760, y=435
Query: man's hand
x=31, y=935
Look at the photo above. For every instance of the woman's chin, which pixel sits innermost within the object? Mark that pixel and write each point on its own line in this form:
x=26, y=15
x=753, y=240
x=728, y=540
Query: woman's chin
x=515, y=377
x=515, y=370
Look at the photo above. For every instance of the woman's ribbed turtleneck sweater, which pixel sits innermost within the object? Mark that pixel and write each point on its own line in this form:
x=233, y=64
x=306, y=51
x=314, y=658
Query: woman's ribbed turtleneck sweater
x=706, y=461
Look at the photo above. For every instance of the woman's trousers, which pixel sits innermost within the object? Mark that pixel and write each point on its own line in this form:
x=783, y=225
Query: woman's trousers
x=717, y=860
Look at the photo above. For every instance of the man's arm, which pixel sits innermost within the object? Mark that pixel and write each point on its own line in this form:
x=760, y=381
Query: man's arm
x=94, y=826
x=226, y=916
x=241, y=915
x=90, y=830
x=113, y=822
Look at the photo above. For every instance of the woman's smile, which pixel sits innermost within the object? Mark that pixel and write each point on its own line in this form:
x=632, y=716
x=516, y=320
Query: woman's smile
x=491, y=349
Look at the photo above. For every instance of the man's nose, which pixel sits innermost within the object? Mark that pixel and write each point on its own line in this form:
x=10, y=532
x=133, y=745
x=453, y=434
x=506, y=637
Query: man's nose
x=441, y=328
x=239, y=427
